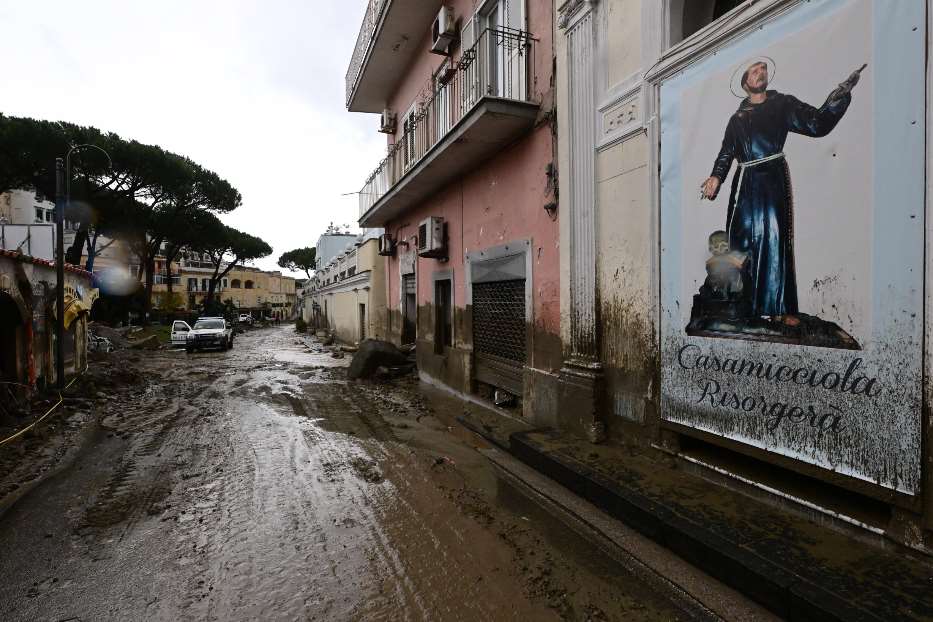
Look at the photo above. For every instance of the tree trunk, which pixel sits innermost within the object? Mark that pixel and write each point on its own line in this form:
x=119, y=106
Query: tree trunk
x=91, y=252
x=74, y=252
x=150, y=281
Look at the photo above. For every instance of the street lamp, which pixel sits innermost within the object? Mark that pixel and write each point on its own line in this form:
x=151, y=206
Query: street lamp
x=62, y=200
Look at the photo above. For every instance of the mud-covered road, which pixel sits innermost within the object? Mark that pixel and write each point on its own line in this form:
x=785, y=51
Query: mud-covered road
x=258, y=484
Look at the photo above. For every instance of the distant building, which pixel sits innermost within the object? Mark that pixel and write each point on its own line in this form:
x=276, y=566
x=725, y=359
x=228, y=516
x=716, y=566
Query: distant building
x=347, y=294
x=329, y=245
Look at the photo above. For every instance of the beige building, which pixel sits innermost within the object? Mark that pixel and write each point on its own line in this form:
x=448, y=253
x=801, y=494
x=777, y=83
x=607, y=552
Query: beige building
x=658, y=99
x=348, y=295
x=261, y=293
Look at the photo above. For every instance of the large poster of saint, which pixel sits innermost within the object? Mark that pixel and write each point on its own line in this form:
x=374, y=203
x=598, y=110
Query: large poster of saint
x=792, y=211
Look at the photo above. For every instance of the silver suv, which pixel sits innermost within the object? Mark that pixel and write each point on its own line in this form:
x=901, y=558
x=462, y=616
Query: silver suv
x=210, y=332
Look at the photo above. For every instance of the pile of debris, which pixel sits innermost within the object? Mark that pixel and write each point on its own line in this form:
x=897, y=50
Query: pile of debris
x=380, y=360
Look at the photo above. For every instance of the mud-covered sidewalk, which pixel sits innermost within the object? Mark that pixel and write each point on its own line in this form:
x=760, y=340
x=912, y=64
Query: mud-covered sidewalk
x=260, y=484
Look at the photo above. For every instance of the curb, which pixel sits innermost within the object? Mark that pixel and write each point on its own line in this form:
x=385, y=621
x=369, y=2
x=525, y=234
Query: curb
x=763, y=580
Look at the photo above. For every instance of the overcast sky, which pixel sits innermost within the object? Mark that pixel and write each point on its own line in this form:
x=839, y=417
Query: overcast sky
x=253, y=90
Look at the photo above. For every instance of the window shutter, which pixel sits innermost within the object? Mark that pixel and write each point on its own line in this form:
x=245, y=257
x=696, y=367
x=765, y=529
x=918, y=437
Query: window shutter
x=468, y=34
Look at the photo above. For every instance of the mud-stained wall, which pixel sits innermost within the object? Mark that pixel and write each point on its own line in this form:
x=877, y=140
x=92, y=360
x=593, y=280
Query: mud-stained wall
x=500, y=202
x=377, y=313
x=626, y=261
x=367, y=287
x=31, y=286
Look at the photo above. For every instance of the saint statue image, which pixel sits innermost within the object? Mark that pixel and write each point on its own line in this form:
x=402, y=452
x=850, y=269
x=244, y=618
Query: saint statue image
x=760, y=215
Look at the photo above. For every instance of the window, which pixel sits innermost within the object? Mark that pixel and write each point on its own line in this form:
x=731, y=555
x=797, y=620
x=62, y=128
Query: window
x=443, y=315
x=235, y=283
x=408, y=137
x=248, y=285
x=205, y=284
x=40, y=214
x=689, y=16
x=48, y=216
x=192, y=285
x=224, y=286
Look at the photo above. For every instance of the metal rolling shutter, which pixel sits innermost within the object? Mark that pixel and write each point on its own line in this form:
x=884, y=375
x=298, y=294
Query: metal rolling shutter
x=499, y=333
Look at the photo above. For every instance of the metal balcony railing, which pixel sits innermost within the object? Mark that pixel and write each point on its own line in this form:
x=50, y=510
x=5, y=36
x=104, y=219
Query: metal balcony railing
x=499, y=65
x=364, y=39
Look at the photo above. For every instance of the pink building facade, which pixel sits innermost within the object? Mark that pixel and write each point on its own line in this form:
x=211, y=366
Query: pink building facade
x=467, y=195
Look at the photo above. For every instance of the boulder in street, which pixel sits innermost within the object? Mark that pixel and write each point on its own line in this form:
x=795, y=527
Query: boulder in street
x=373, y=354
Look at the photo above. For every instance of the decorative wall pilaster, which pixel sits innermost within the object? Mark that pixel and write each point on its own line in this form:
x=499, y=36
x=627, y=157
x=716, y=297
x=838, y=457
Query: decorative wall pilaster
x=581, y=374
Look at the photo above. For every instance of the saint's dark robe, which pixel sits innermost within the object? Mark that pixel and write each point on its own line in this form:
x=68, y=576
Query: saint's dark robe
x=760, y=219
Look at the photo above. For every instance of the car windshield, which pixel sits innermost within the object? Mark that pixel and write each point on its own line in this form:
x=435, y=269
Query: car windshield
x=207, y=324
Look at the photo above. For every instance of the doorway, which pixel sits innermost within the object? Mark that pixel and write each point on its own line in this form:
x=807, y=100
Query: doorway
x=409, y=309
x=362, y=322
x=11, y=322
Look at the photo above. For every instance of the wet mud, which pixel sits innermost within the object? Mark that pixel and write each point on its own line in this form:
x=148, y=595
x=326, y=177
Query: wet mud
x=260, y=484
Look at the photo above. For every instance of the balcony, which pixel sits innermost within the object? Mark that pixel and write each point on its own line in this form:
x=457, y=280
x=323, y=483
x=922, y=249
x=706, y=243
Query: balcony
x=388, y=39
x=483, y=107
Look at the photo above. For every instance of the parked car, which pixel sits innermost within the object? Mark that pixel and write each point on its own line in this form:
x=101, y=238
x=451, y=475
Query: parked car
x=245, y=318
x=210, y=332
x=180, y=332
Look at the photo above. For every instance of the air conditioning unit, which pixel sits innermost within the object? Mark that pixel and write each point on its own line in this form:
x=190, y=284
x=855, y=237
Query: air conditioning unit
x=443, y=31
x=386, y=245
x=387, y=122
x=431, y=242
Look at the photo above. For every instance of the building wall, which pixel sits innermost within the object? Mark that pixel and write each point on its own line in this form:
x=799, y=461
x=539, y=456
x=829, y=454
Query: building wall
x=30, y=286
x=494, y=205
x=632, y=39
x=333, y=301
x=417, y=81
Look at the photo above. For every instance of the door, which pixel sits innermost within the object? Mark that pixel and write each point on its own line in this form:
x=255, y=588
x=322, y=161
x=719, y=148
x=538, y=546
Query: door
x=502, y=54
x=180, y=332
x=512, y=73
x=409, y=309
x=443, y=315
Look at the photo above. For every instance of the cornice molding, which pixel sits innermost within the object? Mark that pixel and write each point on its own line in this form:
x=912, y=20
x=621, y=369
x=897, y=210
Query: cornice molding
x=572, y=9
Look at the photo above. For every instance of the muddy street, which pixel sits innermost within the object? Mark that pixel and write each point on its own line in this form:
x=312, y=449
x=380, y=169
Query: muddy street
x=259, y=483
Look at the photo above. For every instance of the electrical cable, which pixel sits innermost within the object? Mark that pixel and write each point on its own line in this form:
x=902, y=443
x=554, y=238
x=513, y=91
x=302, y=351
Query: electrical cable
x=61, y=400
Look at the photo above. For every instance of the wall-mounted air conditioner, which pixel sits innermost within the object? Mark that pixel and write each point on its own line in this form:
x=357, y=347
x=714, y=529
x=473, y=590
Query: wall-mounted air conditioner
x=431, y=242
x=443, y=31
x=387, y=122
x=386, y=245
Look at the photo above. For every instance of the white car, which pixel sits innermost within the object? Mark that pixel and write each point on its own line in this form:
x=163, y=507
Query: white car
x=245, y=318
x=180, y=332
x=210, y=332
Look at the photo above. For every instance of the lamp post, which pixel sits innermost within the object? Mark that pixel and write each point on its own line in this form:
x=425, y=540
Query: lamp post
x=62, y=201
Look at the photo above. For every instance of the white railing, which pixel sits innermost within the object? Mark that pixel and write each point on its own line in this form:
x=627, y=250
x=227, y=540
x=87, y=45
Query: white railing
x=499, y=65
x=32, y=240
x=364, y=39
